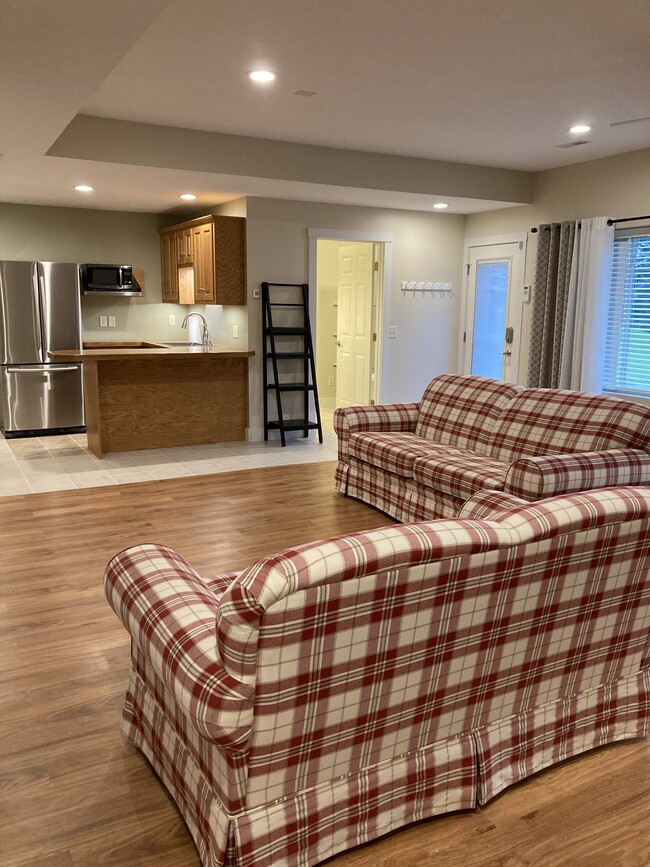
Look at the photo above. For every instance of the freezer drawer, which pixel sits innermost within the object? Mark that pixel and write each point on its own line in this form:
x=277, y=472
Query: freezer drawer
x=41, y=397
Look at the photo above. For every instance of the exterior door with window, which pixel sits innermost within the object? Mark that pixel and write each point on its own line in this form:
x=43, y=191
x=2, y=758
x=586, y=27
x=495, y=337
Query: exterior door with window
x=493, y=310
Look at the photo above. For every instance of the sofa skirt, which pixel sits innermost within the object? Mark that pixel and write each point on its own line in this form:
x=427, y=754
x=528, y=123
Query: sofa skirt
x=403, y=499
x=309, y=826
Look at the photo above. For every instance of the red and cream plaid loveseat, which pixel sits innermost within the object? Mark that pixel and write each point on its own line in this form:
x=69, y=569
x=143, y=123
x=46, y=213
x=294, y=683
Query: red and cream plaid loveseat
x=418, y=461
x=334, y=692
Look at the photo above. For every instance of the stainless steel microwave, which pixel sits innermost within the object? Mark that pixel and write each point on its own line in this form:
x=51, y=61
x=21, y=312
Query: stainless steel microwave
x=109, y=280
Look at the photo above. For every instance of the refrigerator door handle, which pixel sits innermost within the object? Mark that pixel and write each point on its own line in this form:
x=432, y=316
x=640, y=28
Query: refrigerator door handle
x=51, y=368
x=37, y=285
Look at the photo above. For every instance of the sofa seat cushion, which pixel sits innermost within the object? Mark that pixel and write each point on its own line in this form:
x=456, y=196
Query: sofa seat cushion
x=461, y=411
x=460, y=474
x=393, y=452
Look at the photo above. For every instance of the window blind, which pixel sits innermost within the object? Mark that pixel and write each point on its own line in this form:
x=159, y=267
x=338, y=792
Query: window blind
x=627, y=344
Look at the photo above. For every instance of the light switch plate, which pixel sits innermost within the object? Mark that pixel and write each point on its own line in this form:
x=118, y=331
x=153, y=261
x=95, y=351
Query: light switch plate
x=103, y=321
x=235, y=331
x=172, y=320
x=111, y=322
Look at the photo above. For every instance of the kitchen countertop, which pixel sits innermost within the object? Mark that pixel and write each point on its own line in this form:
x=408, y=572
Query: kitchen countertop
x=130, y=350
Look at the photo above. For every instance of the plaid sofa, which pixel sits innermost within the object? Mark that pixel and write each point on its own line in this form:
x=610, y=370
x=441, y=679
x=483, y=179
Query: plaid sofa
x=419, y=461
x=337, y=691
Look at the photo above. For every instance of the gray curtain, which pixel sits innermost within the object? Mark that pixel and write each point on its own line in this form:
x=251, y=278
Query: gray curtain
x=550, y=298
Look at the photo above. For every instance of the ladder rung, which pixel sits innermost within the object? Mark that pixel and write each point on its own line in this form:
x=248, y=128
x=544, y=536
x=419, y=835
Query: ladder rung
x=287, y=330
x=281, y=304
x=293, y=424
x=292, y=386
x=294, y=285
x=284, y=355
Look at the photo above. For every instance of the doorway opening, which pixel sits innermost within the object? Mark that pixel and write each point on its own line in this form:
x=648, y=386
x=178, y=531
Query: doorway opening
x=349, y=279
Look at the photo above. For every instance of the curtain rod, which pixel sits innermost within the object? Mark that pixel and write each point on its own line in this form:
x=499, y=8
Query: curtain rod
x=628, y=220
x=609, y=222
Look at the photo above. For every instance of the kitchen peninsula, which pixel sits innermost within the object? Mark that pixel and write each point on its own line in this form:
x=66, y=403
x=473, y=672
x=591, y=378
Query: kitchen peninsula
x=144, y=395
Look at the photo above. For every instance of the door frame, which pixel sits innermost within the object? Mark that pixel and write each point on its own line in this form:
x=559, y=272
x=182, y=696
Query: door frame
x=372, y=236
x=516, y=288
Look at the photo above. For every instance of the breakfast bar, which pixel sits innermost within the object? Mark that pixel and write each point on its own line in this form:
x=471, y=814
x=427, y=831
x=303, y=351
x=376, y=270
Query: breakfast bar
x=145, y=395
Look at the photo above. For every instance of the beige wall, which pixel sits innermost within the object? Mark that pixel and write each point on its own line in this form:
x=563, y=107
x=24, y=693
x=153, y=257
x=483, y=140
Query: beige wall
x=82, y=235
x=614, y=187
x=425, y=247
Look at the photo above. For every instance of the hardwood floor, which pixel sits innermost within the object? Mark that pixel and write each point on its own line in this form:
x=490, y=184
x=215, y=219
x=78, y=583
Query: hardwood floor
x=73, y=794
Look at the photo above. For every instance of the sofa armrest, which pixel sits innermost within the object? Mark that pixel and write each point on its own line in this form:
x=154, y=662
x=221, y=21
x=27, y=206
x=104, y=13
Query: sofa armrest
x=398, y=417
x=548, y=475
x=170, y=614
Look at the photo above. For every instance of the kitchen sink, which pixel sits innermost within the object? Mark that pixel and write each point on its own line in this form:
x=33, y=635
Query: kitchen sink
x=181, y=343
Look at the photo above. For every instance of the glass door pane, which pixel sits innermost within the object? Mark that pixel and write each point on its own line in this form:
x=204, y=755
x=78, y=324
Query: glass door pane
x=490, y=308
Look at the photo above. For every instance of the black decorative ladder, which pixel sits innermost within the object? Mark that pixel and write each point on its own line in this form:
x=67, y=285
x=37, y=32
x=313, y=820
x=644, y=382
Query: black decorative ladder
x=295, y=361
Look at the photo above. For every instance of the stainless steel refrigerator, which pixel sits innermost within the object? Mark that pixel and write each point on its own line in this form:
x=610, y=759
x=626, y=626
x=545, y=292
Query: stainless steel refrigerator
x=40, y=310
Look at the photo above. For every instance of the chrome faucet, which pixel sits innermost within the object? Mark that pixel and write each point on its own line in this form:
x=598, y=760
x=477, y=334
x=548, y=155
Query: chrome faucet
x=206, y=337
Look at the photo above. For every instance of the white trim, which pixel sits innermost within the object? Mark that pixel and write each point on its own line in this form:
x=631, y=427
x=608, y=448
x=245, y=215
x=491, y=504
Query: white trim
x=385, y=238
x=517, y=288
x=488, y=240
x=350, y=235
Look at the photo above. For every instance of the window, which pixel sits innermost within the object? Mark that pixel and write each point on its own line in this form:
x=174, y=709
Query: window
x=627, y=348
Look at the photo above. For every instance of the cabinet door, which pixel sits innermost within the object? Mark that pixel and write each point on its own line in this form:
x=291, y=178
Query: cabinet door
x=203, y=245
x=168, y=267
x=184, y=246
x=230, y=260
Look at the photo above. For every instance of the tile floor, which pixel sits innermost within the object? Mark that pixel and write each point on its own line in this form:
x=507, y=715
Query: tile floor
x=58, y=463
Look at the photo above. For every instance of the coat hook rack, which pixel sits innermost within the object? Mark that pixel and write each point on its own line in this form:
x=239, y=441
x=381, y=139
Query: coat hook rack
x=424, y=286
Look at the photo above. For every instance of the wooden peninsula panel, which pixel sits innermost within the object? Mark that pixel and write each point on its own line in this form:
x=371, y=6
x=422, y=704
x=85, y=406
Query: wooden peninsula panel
x=153, y=398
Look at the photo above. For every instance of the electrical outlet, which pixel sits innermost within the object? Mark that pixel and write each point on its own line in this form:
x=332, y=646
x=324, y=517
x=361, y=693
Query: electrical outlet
x=235, y=331
x=103, y=321
x=392, y=331
x=111, y=322
x=256, y=292
x=172, y=320
x=330, y=380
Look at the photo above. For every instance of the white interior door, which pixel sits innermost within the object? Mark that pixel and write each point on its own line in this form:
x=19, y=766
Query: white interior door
x=354, y=324
x=493, y=313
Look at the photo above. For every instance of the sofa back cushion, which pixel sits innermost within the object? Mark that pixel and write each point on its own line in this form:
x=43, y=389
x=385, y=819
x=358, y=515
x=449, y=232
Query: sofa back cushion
x=544, y=421
x=461, y=411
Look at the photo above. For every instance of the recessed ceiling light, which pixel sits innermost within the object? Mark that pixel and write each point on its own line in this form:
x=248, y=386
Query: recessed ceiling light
x=579, y=128
x=262, y=75
x=441, y=205
x=188, y=196
x=84, y=188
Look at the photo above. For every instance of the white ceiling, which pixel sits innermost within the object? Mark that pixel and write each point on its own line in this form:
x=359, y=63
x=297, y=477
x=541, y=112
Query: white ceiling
x=478, y=82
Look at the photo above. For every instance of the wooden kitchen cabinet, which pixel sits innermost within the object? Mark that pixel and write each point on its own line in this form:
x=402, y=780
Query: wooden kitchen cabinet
x=204, y=284
x=185, y=246
x=168, y=267
x=212, y=251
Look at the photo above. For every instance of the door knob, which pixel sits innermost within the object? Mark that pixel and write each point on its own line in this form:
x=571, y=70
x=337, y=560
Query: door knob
x=507, y=352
